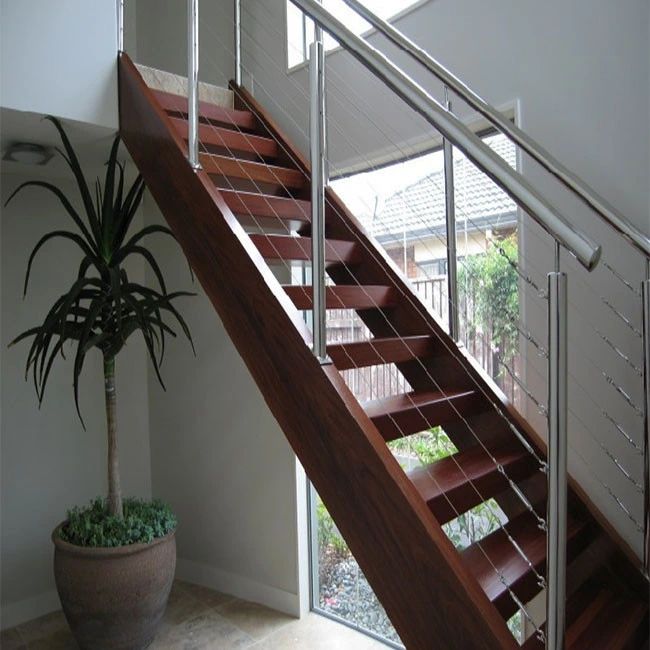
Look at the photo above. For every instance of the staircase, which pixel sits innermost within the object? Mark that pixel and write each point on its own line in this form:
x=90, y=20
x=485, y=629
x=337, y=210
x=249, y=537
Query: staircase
x=436, y=596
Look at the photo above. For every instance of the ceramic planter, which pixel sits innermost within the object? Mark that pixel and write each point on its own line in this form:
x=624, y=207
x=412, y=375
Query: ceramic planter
x=114, y=598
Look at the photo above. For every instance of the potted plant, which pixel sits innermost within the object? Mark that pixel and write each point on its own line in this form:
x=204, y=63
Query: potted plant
x=114, y=561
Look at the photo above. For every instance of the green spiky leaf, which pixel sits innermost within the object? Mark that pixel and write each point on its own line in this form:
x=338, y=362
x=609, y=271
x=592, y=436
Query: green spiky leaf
x=102, y=307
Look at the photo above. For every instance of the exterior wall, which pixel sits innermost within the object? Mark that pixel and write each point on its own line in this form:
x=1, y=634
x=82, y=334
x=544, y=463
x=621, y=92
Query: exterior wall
x=221, y=460
x=73, y=77
x=578, y=75
x=48, y=462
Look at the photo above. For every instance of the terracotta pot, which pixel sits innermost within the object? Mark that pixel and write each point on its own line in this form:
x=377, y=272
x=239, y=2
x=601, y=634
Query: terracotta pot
x=114, y=598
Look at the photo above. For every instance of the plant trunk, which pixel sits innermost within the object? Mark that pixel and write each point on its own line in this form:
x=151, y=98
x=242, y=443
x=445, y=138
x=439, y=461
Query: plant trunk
x=114, y=489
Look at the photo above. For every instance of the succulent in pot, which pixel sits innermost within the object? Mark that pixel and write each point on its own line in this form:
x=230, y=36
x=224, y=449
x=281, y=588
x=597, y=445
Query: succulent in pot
x=101, y=309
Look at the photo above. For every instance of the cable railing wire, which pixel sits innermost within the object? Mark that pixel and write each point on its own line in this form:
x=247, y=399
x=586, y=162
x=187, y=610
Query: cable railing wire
x=500, y=468
x=538, y=402
x=542, y=408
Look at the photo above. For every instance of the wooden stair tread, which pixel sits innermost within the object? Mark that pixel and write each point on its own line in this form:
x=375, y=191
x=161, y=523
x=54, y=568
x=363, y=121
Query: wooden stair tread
x=496, y=552
x=619, y=623
x=400, y=415
x=345, y=296
x=228, y=138
x=457, y=483
x=249, y=170
x=380, y=351
x=267, y=206
x=227, y=116
x=602, y=620
x=287, y=247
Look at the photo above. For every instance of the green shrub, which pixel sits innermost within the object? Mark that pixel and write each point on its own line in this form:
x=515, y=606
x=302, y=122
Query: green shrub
x=93, y=526
x=328, y=533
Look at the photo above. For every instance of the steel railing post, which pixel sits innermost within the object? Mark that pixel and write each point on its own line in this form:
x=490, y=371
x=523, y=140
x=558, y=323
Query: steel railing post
x=557, y=461
x=193, y=82
x=238, y=64
x=318, y=181
x=645, y=293
x=120, y=25
x=450, y=209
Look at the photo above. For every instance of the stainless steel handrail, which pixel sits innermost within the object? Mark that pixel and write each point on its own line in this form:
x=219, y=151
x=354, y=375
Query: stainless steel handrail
x=587, y=194
x=513, y=183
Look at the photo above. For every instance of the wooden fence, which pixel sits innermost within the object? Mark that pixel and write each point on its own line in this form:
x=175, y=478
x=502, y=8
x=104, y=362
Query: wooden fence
x=344, y=326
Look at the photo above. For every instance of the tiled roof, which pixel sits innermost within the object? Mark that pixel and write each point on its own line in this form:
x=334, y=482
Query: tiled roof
x=421, y=206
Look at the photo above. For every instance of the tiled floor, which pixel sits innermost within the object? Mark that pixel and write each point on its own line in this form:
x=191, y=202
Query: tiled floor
x=200, y=619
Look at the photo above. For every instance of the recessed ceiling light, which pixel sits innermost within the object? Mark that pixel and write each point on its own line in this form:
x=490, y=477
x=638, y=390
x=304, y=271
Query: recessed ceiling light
x=27, y=153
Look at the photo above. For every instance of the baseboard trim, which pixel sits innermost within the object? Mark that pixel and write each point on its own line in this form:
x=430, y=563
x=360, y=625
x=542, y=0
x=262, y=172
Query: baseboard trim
x=239, y=586
x=22, y=611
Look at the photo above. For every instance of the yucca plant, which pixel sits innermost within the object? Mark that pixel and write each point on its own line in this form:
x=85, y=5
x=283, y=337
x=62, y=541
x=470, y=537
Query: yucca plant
x=103, y=307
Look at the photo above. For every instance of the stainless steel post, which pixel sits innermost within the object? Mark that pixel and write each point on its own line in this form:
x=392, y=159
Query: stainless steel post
x=645, y=292
x=238, y=67
x=193, y=81
x=120, y=25
x=318, y=30
x=318, y=175
x=557, y=463
x=450, y=206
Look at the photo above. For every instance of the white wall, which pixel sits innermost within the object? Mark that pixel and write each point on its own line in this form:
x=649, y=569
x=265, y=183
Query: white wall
x=162, y=42
x=59, y=58
x=48, y=463
x=219, y=457
x=578, y=74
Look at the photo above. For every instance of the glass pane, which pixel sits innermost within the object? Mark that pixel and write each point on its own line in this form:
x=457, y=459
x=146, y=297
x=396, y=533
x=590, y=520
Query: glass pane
x=295, y=36
x=299, y=48
x=403, y=207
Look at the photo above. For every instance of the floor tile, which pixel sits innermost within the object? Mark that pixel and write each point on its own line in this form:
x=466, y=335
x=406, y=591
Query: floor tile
x=11, y=640
x=182, y=606
x=198, y=618
x=204, y=632
x=207, y=596
x=254, y=619
x=61, y=640
x=43, y=627
x=315, y=632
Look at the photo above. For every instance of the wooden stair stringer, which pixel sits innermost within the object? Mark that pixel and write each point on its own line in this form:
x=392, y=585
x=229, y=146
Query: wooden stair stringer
x=423, y=584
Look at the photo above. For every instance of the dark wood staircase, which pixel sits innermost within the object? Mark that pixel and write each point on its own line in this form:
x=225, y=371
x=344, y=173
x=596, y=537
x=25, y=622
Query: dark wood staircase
x=436, y=596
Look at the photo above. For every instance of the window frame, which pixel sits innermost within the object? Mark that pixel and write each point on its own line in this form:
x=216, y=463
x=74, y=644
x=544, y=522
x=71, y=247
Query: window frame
x=306, y=41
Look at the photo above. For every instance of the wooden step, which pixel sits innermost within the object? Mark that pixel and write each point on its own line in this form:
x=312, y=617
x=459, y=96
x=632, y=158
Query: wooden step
x=232, y=140
x=402, y=415
x=253, y=171
x=455, y=484
x=497, y=553
x=267, y=206
x=229, y=117
x=345, y=297
x=599, y=619
x=286, y=247
x=380, y=351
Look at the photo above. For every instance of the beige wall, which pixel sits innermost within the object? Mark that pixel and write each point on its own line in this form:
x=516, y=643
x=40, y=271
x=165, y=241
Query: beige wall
x=219, y=457
x=162, y=41
x=73, y=77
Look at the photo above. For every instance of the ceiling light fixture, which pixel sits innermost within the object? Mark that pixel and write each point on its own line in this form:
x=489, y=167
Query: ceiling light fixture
x=27, y=153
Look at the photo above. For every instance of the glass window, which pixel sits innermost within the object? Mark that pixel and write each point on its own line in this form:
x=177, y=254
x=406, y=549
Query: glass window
x=402, y=205
x=300, y=30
